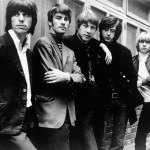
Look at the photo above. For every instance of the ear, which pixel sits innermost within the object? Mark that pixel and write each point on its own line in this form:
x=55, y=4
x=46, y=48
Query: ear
x=50, y=24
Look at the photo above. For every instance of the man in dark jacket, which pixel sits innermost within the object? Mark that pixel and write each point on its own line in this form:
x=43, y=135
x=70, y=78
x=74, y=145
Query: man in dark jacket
x=86, y=49
x=117, y=81
x=15, y=76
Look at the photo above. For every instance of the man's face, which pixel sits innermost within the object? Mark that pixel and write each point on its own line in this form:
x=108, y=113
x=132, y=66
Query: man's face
x=144, y=46
x=109, y=34
x=86, y=31
x=60, y=23
x=21, y=23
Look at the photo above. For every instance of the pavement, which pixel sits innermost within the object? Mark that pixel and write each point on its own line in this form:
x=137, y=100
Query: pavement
x=131, y=146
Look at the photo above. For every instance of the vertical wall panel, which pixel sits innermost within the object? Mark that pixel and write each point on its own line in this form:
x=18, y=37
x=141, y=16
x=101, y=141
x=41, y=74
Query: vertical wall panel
x=3, y=4
x=42, y=23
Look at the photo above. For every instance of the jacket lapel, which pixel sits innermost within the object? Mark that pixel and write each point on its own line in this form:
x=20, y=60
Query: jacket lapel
x=29, y=59
x=56, y=51
x=12, y=52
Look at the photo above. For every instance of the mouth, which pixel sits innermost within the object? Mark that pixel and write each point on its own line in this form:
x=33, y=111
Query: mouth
x=21, y=26
x=108, y=38
x=87, y=36
x=144, y=49
x=62, y=28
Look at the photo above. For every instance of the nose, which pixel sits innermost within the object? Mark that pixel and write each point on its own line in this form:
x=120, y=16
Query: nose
x=21, y=18
x=108, y=32
x=62, y=21
x=88, y=29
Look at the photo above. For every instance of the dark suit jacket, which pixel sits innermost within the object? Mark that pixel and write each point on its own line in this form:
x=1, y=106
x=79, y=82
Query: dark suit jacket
x=52, y=101
x=13, y=87
x=122, y=76
x=87, y=96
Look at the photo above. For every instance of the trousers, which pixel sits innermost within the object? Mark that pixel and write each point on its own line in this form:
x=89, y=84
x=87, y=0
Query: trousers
x=17, y=142
x=143, y=127
x=51, y=138
x=117, y=110
x=82, y=136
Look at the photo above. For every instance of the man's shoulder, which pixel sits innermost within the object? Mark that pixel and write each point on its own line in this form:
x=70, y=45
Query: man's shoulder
x=5, y=39
x=69, y=38
x=94, y=42
x=123, y=48
x=135, y=57
x=47, y=39
x=71, y=42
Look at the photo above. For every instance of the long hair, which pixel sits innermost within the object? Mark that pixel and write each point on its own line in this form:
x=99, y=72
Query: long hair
x=87, y=16
x=27, y=6
x=144, y=36
x=59, y=8
x=110, y=22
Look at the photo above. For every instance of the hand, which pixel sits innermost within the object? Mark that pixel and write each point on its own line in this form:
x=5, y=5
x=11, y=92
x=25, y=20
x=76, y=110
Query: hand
x=56, y=76
x=108, y=57
x=139, y=83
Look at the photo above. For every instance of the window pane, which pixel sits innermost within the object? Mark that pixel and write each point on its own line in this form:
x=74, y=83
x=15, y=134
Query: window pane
x=118, y=3
x=131, y=38
x=138, y=9
x=100, y=15
x=77, y=8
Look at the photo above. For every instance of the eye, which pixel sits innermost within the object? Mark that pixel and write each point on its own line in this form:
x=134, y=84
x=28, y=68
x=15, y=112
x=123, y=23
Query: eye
x=93, y=27
x=112, y=31
x=66, y=18
x=25, y=14
x=85, y=25
x=58, y=17
x=106, y=29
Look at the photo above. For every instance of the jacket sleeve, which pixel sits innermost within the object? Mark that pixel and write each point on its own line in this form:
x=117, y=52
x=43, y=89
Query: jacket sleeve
x=75, y=73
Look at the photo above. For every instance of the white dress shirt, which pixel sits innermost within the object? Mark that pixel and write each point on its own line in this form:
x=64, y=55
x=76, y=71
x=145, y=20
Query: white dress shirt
x=23, y=59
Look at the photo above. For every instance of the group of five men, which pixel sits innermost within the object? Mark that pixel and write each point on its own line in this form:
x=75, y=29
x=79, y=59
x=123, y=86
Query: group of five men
x=72, y=81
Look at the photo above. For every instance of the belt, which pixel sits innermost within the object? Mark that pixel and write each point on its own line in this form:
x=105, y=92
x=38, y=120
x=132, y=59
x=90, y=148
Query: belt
x=114, y=95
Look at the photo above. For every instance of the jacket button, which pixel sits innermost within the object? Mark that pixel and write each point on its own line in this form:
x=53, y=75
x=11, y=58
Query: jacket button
x=24, y=90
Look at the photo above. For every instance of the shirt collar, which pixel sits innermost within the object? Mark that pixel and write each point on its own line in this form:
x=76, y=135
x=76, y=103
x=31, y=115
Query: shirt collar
x=18, y=43
x=143, y=56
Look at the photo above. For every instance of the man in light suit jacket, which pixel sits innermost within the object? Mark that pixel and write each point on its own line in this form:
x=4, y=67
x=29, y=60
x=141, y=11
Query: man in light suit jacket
x=15, y=75
x=56, y=74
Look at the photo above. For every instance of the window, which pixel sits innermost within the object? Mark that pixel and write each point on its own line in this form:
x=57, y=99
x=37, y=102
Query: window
x=77, y=8
x=100, y=14
x=138, y=9
x=131, y=38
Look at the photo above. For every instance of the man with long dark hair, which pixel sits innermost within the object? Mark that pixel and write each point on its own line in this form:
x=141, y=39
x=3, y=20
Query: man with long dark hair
x=16, y=111
x=117, y=81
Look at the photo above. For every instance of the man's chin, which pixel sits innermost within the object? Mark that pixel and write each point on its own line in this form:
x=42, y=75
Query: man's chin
x=108, y=42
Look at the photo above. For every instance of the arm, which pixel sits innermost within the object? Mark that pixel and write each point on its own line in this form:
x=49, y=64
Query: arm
x=71, y=74
x=108, y=57
x=56, y=76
